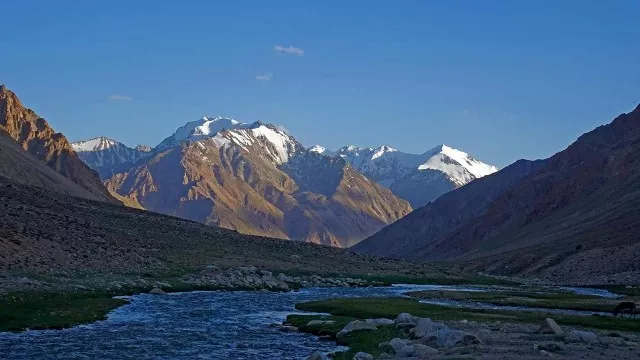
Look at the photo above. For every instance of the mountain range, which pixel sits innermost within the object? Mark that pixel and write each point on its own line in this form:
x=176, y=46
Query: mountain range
x=417, y=178
x=570, y=218
x=258, y=179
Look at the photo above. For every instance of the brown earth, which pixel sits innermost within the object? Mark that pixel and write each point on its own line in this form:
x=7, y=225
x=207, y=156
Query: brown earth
x=35, y=135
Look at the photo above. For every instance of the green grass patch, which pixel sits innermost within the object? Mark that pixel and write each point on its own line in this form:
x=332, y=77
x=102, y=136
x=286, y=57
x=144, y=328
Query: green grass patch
x=20, y=311
x=391, y=307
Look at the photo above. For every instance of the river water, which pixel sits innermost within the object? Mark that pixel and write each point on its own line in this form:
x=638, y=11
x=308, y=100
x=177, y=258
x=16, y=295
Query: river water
x=194, y=325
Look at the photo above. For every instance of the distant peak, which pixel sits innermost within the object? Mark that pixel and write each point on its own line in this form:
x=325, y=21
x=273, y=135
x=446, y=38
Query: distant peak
x=318, y=148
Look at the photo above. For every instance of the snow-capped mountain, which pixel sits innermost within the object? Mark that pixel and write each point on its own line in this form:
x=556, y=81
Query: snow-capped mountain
x=257, y=179
x=418, y=178
x=278, y=146
x=107, y=156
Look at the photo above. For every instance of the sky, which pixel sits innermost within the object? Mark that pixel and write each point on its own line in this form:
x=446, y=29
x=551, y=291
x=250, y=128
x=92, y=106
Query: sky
x=501, y=80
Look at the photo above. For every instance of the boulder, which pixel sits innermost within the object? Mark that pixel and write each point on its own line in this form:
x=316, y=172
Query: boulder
x=355, y=326
x=550, y=327
x=581, y=336
x=426, y=327
x=405, y=318
x=363, y=356
x=316, y=355
x=156, y=291
x=402, y=347
x=379, y=322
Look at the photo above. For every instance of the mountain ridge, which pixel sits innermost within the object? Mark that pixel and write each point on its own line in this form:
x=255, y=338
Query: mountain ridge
x=34, y=134
x=561, y=222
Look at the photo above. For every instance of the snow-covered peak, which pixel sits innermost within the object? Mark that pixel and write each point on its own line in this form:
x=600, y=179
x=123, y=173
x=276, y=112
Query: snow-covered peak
x=475, y=167
x=275, y=143
x=200, y=129
x=95, y=144
x=318, y=149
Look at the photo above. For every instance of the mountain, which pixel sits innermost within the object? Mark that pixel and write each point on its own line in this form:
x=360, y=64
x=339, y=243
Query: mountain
x=257, y=179
x=19, y=166
x=570, y=218
x=34, y=134
x=418, y=178
x=107, y=156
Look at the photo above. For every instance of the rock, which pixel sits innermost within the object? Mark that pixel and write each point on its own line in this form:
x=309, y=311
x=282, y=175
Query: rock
x=295, y=257
x=581, y=336
x=423, y=351
x=320, y=322
x=316, y=355
x=426, y=327
x=363, y=356
x=379, y=322
x=401, y=347
x=446, y=338
x=354, y=326
x=550, y=327
x=157, y=291
x=545, y=353
x=288, y=328
x=405, y=318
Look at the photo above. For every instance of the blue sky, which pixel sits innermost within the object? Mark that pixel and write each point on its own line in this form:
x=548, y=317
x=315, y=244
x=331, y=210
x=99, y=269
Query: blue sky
x=501, y=80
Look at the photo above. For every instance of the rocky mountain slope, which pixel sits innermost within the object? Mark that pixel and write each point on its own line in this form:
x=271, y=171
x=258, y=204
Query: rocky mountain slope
x=257, y=179
x=45, y=232
x=23, y=168
x=107, y=156
x=570, y=218
x=418, y=178
x=35, y=135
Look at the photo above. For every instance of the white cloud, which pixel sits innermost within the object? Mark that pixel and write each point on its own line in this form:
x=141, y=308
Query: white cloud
x=120, y=98
x=289, y=50
x=264, y=77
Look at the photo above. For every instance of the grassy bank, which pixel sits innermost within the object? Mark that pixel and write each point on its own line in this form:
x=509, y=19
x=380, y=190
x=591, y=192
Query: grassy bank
x=391, y=307
x=553, y=300
x=32, y=310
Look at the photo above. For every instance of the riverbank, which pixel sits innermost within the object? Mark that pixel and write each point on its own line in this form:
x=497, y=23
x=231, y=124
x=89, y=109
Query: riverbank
x=66, y=299
x=489, y=333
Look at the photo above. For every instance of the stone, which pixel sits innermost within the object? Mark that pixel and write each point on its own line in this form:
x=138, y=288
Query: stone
x=545, y=353
x=425, y=326
x=581, y=336
x=316, y=355
x=446, y=338
x=405, y=318
x=423, y=351
x=379, y=322
x=156, y=291
x=354, y=326
x=363, y=356
x=402, y=347
x=550, y=327
x=320, y=322
x=288, y=328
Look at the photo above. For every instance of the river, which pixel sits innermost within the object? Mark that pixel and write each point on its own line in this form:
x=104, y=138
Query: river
x=194, y=325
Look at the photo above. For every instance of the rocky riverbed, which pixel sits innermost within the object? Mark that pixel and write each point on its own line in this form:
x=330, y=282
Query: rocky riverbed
x=422, y=338
x=249, y=277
